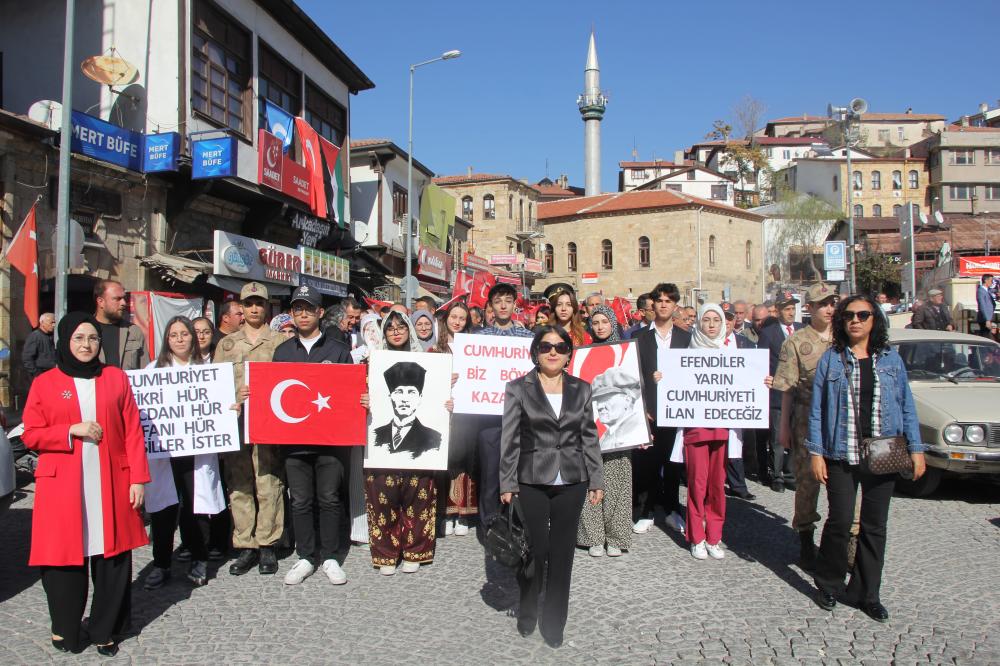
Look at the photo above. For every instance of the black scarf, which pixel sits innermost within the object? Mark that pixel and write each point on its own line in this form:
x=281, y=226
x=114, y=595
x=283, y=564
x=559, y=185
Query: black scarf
x=65, y=360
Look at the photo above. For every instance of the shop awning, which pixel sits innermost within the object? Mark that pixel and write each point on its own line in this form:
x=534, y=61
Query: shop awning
x=175, y=269
x=234, y=285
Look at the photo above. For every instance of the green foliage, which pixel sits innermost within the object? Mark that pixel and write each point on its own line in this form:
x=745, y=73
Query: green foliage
x=874, y=271
x=805, y=221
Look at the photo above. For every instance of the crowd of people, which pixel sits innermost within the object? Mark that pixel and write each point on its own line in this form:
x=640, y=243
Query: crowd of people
x=832, y=382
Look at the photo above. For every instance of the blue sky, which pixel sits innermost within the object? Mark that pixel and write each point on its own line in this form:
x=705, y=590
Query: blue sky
x=670, y=68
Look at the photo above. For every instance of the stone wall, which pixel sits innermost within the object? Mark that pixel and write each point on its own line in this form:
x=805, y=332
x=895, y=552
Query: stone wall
x=511, y=215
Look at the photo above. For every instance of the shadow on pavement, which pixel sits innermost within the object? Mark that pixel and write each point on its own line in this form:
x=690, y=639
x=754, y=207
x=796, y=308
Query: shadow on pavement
x=15, y=574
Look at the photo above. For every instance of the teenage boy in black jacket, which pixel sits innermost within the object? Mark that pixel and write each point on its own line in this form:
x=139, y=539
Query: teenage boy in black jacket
x=314, y=472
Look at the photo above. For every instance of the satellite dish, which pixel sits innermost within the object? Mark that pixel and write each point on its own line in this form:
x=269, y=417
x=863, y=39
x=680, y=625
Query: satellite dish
x=859, y=105
x=109, y=70
x=938, y=217
x=923, y=218
x=76, y=241
x=47, y=112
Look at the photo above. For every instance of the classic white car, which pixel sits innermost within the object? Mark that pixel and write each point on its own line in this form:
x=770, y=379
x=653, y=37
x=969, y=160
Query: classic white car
x=955, y=379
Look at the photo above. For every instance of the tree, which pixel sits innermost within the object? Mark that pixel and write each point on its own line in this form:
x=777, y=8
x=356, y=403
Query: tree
x=747, y=114
x=874, y=271
x=742, y=155
x=802, y=222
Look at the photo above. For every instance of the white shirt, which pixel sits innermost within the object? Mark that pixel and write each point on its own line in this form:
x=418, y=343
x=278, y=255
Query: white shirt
x=555, y=399
x=90, y=455
x=787, y=329
x=662, y=341
x=309, y=343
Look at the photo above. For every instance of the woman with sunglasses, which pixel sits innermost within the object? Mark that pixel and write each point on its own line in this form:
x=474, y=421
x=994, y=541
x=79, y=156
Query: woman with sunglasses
x=860, y=390
x=566, y=315
x=550, y=459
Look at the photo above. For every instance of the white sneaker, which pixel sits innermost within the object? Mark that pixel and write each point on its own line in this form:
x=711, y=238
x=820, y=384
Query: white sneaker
x=333, y=571
x=596, y=551
x=409, y=567
x=642, y=525
x=299, y=572
x=716, y=551
x=675, y=521
x=461, y=527
x=614, y=551
x=699, y=551
x=449, y=527
x=387, y=570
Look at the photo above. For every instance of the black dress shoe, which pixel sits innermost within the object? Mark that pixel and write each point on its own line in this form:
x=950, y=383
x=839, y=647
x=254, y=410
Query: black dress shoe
x=109, y=650
x=246, y=560
x=268, y=562
x=553, y=642
x=60, y=644
x=778, y=486
x=182, y=554
x=526, y=627
x=875, y=611
x=825, y=600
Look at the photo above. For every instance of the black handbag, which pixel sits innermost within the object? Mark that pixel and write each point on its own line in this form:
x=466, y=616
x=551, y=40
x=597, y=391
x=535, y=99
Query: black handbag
x=507, y=539
x=887, y=454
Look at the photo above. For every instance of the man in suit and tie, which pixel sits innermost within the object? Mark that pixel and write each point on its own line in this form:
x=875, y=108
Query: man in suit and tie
x=655, y=478
x=405, y=433
x=771, y=338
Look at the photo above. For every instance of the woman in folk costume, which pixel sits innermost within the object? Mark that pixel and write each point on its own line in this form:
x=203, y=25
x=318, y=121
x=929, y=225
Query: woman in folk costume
x=609, y=523
x=401, y=503
x=189, y=487
x=82, y=419
x=704, y=450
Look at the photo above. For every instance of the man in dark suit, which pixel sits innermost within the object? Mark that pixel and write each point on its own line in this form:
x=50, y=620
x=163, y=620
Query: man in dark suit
x=771, y=338
x=653, y=473
x=405, y=433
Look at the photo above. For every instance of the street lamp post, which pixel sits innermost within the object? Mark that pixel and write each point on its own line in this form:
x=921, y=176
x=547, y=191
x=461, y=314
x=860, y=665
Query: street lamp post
x=408, y=239
x=847, y=115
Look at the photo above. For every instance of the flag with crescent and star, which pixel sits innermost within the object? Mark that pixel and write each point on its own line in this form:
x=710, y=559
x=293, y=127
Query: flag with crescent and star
x=306, y=403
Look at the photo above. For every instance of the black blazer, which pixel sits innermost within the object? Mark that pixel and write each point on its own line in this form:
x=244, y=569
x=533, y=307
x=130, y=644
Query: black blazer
x=646, y=339
x=419, y=439
x=536, y=445
x=771, y=338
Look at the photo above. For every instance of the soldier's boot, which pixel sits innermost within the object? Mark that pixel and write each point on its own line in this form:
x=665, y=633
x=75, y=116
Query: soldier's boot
x=807, y=551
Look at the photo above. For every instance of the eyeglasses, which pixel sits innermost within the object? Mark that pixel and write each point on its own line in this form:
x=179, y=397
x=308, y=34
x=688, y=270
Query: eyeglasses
x=203, y=333
x=396, y=330
x=546, y=347
x=862, y=316
x=89, y=339
x=179, y=336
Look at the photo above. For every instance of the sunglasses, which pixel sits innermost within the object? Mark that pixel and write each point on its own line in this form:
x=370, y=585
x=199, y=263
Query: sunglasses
x=546, y=347
x=862, y=316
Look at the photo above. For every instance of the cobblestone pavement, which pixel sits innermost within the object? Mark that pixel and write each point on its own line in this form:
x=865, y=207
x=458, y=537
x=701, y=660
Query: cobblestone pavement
x=655, y=605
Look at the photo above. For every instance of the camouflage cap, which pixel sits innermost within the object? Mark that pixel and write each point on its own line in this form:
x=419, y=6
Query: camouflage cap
x=820, y=291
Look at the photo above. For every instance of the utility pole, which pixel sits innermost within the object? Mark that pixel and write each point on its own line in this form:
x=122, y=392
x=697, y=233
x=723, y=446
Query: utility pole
x=65, y=140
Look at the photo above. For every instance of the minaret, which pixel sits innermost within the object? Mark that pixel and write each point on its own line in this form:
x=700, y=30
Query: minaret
x=592, y=104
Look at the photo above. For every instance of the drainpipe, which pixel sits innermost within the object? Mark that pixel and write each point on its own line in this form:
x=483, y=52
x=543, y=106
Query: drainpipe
x=699, y=247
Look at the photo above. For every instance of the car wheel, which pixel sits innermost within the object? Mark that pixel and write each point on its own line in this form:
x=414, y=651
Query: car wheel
x=924, y=486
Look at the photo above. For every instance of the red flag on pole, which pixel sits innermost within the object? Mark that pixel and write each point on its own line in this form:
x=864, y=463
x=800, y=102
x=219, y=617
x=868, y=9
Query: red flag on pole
x=377, y=305
x=22, y=253
x=481, y=285
x=463, y=283
x=306, y=403
x=622, y=309
x=448, y=304
x=312, y=155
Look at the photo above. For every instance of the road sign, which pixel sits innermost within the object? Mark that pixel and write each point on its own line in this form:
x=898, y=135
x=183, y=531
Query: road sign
x=835, y=255
x=588, y=278
x=835, y=276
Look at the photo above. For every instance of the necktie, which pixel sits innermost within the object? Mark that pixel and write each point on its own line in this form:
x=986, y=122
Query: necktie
x=726, y=343
x=789, y=329
x=397, y=438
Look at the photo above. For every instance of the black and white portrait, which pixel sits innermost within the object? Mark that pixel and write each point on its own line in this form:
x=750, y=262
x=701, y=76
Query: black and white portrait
x=409, y=427
x=613, y=373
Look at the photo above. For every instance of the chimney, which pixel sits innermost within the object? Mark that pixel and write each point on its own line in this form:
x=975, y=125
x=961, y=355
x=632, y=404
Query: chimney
x=964, y=122
x=563, y=181
x=983, y=108
x=678, y=157
x=469, y=172
x=906, y=154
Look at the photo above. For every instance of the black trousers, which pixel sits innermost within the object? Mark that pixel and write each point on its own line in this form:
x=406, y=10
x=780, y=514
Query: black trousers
x=831, y=564
x=111, y=608
x=195, y=528
x=781, y=460
x=488, y=445
x=552, y=514
x=735, y=476
x=315, y=479
x=762, y=456
x=656, y=480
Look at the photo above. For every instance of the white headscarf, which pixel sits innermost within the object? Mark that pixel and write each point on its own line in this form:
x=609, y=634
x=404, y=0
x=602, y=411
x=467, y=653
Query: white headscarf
x=414, y=343
x=700, y=340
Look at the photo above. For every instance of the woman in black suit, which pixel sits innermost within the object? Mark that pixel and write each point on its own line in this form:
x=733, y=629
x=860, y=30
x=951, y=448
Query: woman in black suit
x=550, y=458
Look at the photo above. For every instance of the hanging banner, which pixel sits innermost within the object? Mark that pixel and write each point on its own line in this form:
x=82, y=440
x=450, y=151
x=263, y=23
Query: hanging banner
x=969, y=266
x=103, y=141
x=277, y=171
x=213, y=158
x=712, y=388
x=484, y=364
x=185, y=411
x=473, y=261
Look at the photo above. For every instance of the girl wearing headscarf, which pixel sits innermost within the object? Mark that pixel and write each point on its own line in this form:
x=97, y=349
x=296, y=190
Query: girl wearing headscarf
x=82, y=419
x=614, y=393
x=704, y=450
x=370, y=338
x=426, y=329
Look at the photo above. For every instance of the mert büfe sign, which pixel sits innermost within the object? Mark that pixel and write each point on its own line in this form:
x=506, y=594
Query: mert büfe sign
x=484, y=364
x=213, y=158
x=712, y=388
x=251, y=259
x=100, y=140
x=185, y=411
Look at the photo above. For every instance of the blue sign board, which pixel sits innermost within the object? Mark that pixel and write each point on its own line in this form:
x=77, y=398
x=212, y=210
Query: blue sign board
x=103, y=141
x=323, y=286
x=160, y=152
x=213, y=158
x=835, y=255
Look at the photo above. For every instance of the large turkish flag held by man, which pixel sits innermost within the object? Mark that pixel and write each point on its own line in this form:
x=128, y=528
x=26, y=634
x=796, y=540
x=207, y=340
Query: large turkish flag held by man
x=306, y=403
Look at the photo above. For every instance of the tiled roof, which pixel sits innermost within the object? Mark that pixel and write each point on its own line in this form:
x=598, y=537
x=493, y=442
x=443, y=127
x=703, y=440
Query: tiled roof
x=478, y=178
x=959, y=128
x=630, y=201
x=653, y=164
x=554, y=191
x=362, y=143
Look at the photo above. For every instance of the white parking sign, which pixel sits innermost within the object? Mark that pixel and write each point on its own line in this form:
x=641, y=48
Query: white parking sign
x=835, y=255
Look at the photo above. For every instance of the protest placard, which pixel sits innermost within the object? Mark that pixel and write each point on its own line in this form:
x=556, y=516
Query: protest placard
x=185, y=411
x=712, y=388
x=485, y=363
x=612, y=370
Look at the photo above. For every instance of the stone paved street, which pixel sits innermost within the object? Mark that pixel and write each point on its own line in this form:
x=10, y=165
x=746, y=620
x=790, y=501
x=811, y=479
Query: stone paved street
x=655, y=605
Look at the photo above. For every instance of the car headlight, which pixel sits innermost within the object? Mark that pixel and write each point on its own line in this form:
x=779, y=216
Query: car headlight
x=974, y=434
x=953, y=433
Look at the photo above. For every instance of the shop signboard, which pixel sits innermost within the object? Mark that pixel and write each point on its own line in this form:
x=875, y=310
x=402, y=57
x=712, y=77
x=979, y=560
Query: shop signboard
x=252, y=259
x=278, y=172
x=103, y=141
x=324, y=272
x=473, y=261
x=502, y=259
x=312, y=228
x=534, y=266
x=213, y=158
x=434, y=264
x=588, y=278
x=160, y=152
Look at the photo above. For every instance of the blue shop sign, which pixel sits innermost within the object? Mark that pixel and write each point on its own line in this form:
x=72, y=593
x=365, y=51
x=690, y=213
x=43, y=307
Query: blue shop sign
x=323, y=286
x=103, y=141
x=213, y=158
x=160, y=153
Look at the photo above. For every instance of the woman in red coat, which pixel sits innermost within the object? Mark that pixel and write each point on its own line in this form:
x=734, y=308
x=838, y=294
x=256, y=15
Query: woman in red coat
x=81, y=417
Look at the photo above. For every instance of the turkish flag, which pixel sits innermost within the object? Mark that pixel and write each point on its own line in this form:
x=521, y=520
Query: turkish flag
x=313, y=161
x=463, y=283
x=622, y=309
x=22, y=253
x=481, y=285
x=306, y=403
x=377, y=305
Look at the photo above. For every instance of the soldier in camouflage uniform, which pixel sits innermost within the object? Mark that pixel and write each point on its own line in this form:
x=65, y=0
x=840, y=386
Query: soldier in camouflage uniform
x=254, y=473
x=797, y=363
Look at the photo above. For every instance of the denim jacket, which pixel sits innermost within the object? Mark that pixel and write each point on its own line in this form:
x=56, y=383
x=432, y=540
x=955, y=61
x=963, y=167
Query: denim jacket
x=828, y=414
